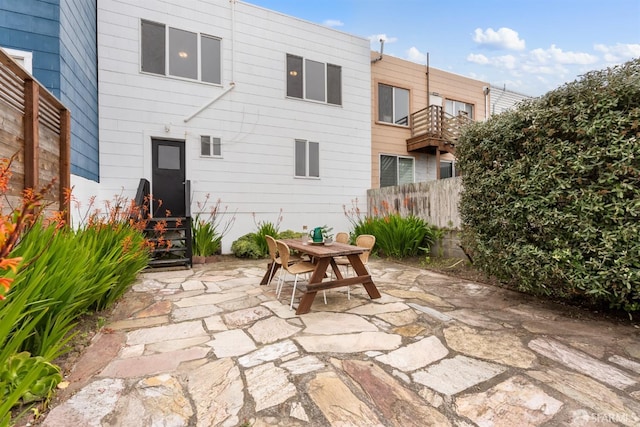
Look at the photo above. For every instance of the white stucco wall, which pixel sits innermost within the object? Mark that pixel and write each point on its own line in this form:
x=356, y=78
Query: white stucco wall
x=255, y=120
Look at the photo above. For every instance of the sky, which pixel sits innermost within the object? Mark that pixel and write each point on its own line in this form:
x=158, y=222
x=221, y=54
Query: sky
x=526, y=46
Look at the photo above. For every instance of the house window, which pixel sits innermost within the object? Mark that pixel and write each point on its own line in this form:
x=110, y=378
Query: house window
x=307, y=158
x=455, y=108
x=396, y=170
x=446, y=169
x=393, y=105
x=313, y=80
x=182, y=53
x=210, y=147
x=24, y=58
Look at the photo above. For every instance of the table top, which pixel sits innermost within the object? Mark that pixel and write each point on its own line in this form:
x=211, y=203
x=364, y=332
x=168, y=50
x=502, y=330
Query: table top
x=332, y=249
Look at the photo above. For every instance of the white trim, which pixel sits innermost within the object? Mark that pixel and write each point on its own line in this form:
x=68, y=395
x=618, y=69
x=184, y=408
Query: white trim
x=22, y=57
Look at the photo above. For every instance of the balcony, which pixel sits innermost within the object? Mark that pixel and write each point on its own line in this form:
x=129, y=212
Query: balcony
x=433, y=130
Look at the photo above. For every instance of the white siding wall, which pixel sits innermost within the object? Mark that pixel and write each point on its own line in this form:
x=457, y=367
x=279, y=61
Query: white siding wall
x=255, y=121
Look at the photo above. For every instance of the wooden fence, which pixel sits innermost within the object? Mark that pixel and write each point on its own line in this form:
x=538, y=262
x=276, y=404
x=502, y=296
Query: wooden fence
x=36, y=127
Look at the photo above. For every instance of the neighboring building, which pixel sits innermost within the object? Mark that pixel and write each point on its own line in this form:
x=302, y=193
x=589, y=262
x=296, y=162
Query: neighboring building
x=56, y=42
x=268, y=113
x=503, y=99
x=414, y=140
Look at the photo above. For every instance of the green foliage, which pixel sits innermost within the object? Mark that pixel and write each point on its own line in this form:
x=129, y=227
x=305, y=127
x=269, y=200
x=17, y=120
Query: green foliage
x=246, y=247
x=208, y=230
x=551, y=199
x=19, y=367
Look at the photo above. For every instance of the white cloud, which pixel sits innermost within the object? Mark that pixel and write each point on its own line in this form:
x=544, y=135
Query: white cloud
x=555, y=55
x=333, y=23
x=618, y=53
x=414, y=55
x=504, y=38
x=478, y=59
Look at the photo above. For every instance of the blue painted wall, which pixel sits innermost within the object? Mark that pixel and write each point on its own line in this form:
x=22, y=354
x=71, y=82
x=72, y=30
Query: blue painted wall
x=61, y=34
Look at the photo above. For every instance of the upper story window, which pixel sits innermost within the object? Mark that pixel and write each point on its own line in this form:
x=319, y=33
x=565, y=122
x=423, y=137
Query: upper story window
x=396, y=170
x=393, y=105
x=455, y=108
x=307, y=159
x=174, y=52
x=210, y=146
x=313, y=80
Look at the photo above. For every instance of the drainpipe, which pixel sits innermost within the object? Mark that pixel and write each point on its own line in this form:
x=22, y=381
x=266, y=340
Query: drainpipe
x=379, y=58
x=486, y=90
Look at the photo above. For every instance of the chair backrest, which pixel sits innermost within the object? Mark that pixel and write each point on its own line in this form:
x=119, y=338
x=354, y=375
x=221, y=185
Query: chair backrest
x=283, y=251
x=365, y=241
x=342, y=237
x=273, y=248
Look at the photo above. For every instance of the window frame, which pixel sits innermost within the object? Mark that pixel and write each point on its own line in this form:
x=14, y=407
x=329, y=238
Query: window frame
x=212, y=142
x=307, y=159
x=22, y=57
x=394, y=106
x=456, y=111
x=398, y=172
x=167, y=57
x=301, y=75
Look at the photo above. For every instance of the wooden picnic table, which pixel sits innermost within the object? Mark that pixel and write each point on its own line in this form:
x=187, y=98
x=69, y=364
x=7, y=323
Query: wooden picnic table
x=324, y=256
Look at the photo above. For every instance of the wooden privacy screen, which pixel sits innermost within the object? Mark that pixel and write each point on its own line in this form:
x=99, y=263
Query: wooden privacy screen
x=35, y=125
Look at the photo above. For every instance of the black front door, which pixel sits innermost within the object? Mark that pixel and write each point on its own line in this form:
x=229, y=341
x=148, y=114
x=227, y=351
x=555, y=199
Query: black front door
x=168, y=178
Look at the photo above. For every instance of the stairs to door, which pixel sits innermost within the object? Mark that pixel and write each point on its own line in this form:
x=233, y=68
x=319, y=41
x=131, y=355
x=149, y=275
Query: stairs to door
x=171, y=238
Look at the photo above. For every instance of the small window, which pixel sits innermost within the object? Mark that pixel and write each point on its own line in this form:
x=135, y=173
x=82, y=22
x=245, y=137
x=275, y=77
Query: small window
x=181, y=52
x=393, y=105
x=210, y=147
x=24, y=58
x=313, y=80
x=396, y=170
x=446, y=169
x=456, y=108
x=307, y=159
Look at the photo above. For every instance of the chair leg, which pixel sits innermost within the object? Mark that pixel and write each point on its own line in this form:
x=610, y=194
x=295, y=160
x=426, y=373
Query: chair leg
x=324, y=293
x=280, y=283
x=273, y=267
x=293, y=293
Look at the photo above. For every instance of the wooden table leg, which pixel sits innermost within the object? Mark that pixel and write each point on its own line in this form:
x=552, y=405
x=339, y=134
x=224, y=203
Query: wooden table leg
x=361, y=270
x=318, y=274
x=268, y=276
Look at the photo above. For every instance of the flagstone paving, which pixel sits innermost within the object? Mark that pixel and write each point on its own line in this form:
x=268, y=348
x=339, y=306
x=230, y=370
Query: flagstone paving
x=209, y=346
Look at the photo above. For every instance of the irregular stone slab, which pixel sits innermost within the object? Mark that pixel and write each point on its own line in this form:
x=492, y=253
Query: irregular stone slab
x=173, y=345
x=335, y=323
x=193, y=285
x=420, y=295
x=451, y=376
x=399, y=406
x=268, y=353
x=399, y=318
x=279, y=309
x=297, y=411
x=241, y=303
x=164, y=333
x=197, y=312
x=373, y=309
x=500, y=347
x=581, y=362
x=431, y=312
x=350, y=343
x=592, y=394
x=514, y=402
x=231, y=343
x=338, y=404
x=156, y=309
x=246, y=316
x=217, y=391
x=303, y=365
x=123, y=325
x=272, y=329
x=87, y=407
x=473, y=318
x=209, y=299
x=415, y=356
x=268, y=386
x=215, y=323
x=154, y=401
x=151, y=365
x=409, y=330
x=626, y=363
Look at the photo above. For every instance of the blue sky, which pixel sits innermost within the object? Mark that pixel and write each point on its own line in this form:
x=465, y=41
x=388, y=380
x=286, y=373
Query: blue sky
x=527, y=46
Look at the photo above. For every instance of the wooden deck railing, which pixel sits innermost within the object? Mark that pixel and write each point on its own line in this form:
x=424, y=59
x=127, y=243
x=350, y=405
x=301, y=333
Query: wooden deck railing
x=435, y=122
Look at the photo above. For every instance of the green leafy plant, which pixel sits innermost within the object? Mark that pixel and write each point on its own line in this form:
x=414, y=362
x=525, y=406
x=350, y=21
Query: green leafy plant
x=551, y=191
x=209, y=229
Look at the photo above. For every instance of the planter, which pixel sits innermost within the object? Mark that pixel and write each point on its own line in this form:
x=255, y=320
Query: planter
x=199, y=259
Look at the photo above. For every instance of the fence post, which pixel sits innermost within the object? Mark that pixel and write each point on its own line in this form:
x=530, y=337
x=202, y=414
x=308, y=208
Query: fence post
x=31, y=133
x=65, y=162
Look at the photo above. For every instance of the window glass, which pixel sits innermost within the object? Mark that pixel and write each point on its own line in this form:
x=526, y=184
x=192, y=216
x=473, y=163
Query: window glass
x=385, y=103
x=301, y=158
x=183, y=53
x=314, y=159
x=168, y=157
x=205, y=145
x=454, y=108
x=211, y=57
x=334, y=84
x=405, y=170
x=401, y=106
x=153, y=47
x=294, y=76
x=388, y=171
x=315, y=80
x=446, y=170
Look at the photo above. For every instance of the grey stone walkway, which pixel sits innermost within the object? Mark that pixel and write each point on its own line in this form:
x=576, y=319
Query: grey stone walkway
x=210, y=347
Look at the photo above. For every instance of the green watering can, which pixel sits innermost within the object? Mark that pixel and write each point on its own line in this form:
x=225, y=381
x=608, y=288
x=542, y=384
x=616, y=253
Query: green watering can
x=316, y=235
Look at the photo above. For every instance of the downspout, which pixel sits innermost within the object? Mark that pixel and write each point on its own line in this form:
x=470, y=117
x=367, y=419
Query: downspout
x=486, y=90
x=428, y=91
x=379, y=58
x=232, y=83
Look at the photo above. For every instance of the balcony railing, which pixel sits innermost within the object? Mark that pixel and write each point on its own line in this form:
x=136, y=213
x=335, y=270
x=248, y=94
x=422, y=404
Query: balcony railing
x=432, y=126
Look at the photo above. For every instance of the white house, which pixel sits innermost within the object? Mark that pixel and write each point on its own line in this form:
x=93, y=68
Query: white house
x=264, y=111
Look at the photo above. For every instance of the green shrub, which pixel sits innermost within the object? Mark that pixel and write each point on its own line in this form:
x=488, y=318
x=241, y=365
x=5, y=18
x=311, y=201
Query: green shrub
x=246, y=247
x=551, y=198
x=208, y=227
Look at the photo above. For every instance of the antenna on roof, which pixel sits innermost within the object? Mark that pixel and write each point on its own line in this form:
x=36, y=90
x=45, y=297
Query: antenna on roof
x=374, y=60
